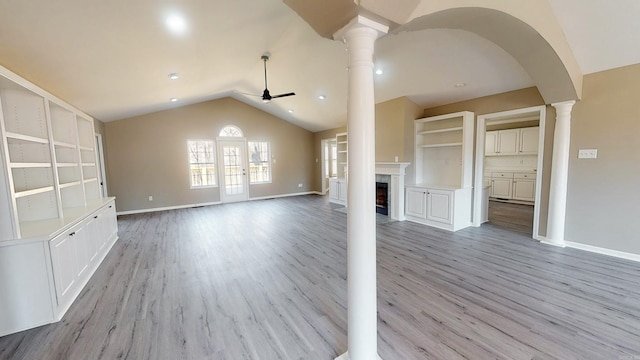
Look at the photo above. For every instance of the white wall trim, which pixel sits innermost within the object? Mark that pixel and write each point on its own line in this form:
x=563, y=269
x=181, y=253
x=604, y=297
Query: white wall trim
x=285, y=195
x=165, y=208
x=603, y=251
x=140, y=211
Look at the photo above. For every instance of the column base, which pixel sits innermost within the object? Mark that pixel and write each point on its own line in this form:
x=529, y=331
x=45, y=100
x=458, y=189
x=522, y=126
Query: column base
x=553, y=243
x=345, y=356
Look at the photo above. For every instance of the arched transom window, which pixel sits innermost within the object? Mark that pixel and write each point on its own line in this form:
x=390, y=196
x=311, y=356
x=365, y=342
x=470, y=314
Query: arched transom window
x=231, y=131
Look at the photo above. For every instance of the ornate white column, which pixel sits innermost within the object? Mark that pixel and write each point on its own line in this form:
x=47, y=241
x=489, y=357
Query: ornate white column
x=559, y=174
x=360, y=36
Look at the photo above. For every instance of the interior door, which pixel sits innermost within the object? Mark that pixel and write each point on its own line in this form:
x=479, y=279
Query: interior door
x=233, y=160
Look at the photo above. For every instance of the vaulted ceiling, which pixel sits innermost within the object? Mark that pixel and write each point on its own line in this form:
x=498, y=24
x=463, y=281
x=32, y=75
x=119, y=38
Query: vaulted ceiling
x=112, y=59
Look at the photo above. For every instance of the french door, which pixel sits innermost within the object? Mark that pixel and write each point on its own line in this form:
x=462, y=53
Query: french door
x=233, y=160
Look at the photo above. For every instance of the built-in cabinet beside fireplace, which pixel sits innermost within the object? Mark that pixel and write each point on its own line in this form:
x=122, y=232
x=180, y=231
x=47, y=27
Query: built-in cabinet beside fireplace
x=441, y=195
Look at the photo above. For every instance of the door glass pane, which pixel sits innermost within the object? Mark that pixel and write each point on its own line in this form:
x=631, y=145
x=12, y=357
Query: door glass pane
x=233, y=179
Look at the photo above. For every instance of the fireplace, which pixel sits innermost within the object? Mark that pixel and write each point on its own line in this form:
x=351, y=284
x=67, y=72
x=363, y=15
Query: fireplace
x=391, y=175
x=382, y=198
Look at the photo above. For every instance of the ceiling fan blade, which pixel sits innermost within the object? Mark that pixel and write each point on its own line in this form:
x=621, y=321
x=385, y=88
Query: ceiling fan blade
x=283, y=95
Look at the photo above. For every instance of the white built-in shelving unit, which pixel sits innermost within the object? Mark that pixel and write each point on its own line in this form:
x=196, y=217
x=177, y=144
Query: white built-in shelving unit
x=441, y=194
x=338, y=185
x=49, y=195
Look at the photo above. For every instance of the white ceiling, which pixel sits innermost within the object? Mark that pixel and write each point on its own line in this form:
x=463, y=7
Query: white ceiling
x=112, y=58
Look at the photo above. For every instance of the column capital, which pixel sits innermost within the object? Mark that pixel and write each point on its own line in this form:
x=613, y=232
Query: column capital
x=564, y=104
x=362, y=22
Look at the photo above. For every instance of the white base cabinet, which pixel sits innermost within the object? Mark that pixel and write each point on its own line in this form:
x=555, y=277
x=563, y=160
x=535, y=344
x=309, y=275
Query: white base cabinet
x=338, y=191
x=441, y=207
x=42, y=276
x=513, y=186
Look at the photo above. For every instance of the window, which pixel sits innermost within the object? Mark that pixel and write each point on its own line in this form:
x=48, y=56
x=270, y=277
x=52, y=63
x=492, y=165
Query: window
x=230, y=131
x=202, y=168
x=260, y=164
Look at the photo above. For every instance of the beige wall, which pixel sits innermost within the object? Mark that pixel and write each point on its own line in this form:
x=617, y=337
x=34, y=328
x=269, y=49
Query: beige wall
x=603, y=200
x=146, y=155
x=394, y=133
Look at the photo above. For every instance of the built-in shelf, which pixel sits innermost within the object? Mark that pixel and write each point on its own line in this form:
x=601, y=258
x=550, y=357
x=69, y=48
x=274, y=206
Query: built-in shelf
x=33, y=191
x=70, y=184
x=425, y=132
x=17, y=136
x=64, y=144
x=441, y=145
x=16, y=165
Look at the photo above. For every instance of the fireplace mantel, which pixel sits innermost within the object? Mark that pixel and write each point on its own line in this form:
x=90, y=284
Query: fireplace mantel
x=396, y=186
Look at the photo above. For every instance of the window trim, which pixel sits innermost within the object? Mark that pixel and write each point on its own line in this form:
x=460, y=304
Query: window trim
x=269, y=162
x=215, y=166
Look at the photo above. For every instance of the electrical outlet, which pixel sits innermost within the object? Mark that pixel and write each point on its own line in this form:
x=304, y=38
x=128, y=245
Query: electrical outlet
x=587, y=153
x=299, y=185
x=150, y=198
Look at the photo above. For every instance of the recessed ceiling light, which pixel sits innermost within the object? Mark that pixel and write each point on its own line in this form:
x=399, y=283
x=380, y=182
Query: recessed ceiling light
x=459, y=85
x=379, y=72
x=176, y=24
x=174, y=99
x=290, y=110
x=174, y=76
x=321, y=97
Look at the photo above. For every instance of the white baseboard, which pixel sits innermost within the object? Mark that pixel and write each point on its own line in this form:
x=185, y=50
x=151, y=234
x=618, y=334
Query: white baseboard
x=593, y=249
x=604, y=251
x=284, y=195
x=140, y=211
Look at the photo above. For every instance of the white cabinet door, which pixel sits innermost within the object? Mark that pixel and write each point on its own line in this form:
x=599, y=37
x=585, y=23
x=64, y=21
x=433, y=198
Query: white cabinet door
x=440, y=206
x=501, y=188
x=416, y=205
x=342, y=191
x=334, y=189
x=524, y=189
x=63, y=257
x=491, y=143
x=83, y=249
x=508, y=142
x=529, y=140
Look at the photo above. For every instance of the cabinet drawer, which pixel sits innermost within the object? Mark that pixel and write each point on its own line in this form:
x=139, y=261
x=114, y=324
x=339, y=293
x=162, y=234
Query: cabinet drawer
x=530, y=176
x=506, y=175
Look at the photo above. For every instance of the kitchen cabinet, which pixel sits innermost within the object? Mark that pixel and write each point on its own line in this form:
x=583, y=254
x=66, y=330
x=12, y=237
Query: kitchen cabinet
x=513, y=185
x=521, y=141
x=524, y=186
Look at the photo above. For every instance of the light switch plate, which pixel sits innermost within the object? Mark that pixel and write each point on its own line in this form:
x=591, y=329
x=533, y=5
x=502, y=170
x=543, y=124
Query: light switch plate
x=587, y=153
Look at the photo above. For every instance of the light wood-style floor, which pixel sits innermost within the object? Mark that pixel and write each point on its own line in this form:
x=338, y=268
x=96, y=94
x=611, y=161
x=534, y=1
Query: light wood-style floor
x=267, y=280
x=510, y=216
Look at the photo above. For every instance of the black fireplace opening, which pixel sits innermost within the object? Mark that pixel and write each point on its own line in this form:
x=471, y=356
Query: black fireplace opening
x=382, y=198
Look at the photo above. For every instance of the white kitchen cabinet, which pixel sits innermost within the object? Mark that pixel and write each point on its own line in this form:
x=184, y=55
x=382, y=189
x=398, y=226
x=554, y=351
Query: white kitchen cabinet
x=491, y=143
x=529, y=140
x=501, y=185
x=513, y=185
x=521, y=141
x=524, y=186
x=508, y=142
x=338, y=191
